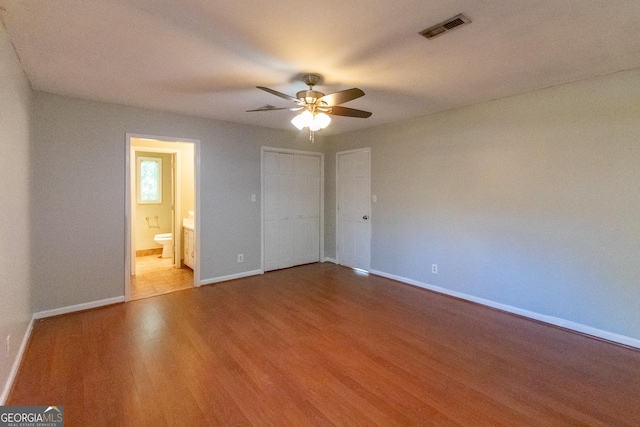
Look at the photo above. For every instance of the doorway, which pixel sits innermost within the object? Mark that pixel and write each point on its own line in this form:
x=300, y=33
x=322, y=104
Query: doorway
x=161, y=206
x=353, y=193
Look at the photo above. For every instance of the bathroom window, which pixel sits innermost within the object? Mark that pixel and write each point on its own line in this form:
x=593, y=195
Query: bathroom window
x=149, y=180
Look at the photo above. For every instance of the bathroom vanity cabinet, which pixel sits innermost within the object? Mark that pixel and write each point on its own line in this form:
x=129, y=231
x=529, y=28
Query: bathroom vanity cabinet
x=189, y=247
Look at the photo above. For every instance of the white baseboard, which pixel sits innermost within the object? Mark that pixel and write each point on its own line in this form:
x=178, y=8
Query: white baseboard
x=567, y=324
x=77, y=307
x=16, y=364
x=326, y=259
x=231, y=277
x=42, y=315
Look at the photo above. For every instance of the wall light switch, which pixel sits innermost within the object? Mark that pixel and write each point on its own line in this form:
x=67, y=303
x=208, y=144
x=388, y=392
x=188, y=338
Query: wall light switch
x=374, y=198
x=253, y=197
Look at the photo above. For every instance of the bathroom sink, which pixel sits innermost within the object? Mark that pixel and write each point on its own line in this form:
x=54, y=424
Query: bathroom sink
x=187, y=223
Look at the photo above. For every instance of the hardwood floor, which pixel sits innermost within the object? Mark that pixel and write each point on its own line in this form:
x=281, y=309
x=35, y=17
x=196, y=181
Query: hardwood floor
x=322, y=345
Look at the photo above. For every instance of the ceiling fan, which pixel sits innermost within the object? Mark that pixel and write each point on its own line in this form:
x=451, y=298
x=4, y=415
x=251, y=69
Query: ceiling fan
x=316, y=105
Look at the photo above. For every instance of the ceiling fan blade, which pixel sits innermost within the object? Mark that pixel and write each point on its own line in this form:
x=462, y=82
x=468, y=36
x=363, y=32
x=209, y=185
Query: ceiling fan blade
x=280, y=94
x=349, y=112
x=342, y=96
x=267, y=109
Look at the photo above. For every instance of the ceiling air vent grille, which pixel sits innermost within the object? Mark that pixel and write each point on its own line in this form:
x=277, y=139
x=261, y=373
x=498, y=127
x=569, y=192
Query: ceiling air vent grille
x=443, y=27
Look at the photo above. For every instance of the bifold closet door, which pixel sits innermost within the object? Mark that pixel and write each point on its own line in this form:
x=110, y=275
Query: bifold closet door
x=306, y=236
x=291, y=209
x=278, y=210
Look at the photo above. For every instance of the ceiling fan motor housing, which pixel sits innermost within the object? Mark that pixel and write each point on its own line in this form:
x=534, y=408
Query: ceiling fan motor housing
x=309, y=96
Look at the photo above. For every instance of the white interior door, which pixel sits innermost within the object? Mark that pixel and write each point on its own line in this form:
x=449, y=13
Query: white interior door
x=306, y=209
x=271, y=191
x=286, y=211
x=354, y=208
x=291, y=209
x=278, y=210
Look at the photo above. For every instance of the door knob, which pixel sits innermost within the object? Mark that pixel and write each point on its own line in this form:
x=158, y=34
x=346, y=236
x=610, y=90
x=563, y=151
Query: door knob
x=365, y=217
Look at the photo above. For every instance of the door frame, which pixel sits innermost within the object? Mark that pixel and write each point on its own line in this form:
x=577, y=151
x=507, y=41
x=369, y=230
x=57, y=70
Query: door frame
x=130, y=167
x=338, y=227
x=265, y=149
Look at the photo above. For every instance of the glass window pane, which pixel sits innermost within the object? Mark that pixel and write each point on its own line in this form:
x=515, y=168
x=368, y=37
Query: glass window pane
x=149, y=180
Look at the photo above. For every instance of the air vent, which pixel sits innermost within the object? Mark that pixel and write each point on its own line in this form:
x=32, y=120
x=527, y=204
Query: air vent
x=448, y=25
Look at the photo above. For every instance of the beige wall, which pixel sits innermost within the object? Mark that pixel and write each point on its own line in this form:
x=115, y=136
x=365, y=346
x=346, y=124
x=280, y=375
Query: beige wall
x=15, y=253
x=532, y=201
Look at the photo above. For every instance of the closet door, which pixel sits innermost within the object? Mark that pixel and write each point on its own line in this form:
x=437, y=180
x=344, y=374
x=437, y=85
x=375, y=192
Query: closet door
x=306, y=235
x=278, y=210
x=286, y=211
x=291, y=185
x=271, y=188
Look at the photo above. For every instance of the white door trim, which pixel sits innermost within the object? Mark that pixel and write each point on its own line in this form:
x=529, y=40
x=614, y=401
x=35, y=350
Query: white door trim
x=338, y=230
x=289, y=151
x=129, y=203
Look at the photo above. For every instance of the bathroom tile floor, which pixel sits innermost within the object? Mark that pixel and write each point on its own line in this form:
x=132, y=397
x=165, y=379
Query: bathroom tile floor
x=156, y=276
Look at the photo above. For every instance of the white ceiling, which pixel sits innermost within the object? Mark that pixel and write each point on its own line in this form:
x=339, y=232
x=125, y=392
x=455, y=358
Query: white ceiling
x=204, y=58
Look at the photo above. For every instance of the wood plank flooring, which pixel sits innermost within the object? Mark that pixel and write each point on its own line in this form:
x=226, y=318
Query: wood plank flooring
x=322, y=345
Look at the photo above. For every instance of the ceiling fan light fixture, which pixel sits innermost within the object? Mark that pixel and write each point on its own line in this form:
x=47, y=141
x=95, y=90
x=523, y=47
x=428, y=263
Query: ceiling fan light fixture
x=323, y=120
x=302, y=120
x=313, y=121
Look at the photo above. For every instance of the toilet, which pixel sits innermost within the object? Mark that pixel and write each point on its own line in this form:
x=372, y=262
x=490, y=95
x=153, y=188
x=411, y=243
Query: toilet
x=166, y=240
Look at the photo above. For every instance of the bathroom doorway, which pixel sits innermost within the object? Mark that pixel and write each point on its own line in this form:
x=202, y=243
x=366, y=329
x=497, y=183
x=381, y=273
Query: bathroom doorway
x=161, y=207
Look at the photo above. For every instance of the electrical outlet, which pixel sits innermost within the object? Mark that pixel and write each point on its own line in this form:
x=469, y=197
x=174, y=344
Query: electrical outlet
x=8, y=345
x=434, y=268
x=240, y=258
